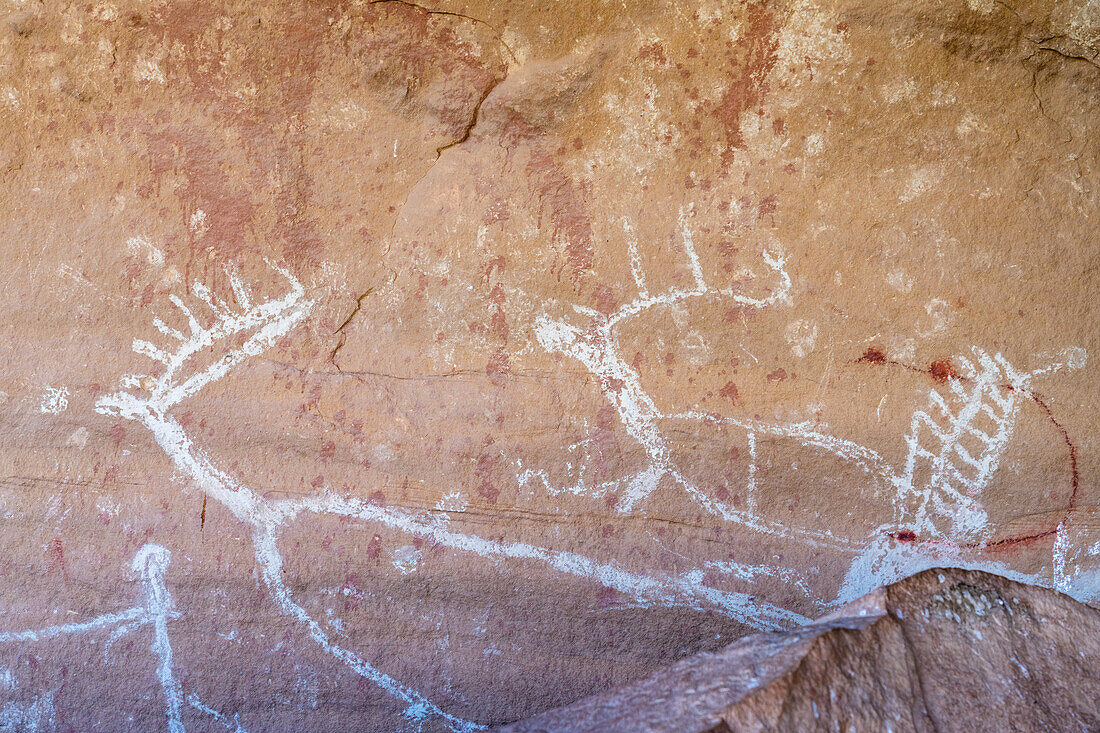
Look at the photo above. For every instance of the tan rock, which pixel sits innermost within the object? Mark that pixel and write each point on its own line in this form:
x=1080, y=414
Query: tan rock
x=546, y=343
x=944, y=650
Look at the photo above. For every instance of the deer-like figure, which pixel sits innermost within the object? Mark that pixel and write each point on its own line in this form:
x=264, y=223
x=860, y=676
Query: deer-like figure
x=262, y=325
x=954, y=447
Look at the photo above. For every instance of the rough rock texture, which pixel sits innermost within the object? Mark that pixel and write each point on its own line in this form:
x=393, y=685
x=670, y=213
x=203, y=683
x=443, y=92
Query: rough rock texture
x=383, y=365
x=944, y=650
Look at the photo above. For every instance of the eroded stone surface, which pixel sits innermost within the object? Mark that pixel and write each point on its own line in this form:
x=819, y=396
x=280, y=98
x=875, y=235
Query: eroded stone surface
x=944, y=650
x=564, y=340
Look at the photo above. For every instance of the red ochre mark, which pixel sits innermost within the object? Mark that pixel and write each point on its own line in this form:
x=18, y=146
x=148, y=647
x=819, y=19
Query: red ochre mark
x=777, y=376
x=941, y=371
x=749, y=79
x=56, y=555
x=905, y=535
x=374, y=547
x=872, y=356
x=1075, y=485
x=729, y=391
x=488, y=492
x=498, y=367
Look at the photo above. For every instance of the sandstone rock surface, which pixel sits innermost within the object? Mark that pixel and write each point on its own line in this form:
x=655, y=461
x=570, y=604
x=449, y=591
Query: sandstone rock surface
x=401, y=365
x=944, y=650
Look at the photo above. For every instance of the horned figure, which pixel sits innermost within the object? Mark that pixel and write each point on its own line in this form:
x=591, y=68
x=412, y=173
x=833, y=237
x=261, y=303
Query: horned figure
x=954, y=445
x=149, y=400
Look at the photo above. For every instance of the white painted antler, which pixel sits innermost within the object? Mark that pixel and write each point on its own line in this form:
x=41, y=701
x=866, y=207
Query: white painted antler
x=645, y=301
x=268, y=321
x=962, y=437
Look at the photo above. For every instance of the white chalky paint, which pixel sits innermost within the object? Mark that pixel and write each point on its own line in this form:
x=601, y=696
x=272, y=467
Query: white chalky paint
x=269, y=321
x=950, y=494
x=150, y=564
x=55, y=400
x=598, y=350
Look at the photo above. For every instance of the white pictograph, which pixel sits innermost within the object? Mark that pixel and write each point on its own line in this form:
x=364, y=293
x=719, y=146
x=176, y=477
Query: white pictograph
x=267, y=322
x=149, y=565
x=966, y=432
x=954, y=447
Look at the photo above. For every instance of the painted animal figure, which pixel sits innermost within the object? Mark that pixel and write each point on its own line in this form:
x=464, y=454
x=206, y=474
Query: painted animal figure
x=261, y=325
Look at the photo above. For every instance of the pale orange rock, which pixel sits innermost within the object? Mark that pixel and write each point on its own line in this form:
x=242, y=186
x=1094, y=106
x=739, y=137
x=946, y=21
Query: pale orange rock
x=405, y=365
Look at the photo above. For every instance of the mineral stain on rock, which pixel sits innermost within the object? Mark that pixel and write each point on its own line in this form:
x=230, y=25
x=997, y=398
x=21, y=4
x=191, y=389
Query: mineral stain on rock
x=685, y=323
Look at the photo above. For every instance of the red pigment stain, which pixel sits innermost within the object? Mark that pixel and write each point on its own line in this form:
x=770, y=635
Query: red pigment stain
x=749, y=80
x=489, y=492
x=777, y=376
x=564, y=205
x=872, y=356
x=56, y=555
x=729, y=391
x=498, y=367
x=941, y=371
x=374, y=547
x=485, y=464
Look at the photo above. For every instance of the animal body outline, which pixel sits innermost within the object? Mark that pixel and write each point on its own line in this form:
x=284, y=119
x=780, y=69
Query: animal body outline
x=262, y=324
x=986, y=387
x=267, y=322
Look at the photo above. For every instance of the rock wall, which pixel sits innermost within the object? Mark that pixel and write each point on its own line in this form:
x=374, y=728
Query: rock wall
x=395, y=366
x=944, y=650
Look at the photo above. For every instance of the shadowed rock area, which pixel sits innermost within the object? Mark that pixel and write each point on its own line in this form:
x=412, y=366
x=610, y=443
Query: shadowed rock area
x=943, y=650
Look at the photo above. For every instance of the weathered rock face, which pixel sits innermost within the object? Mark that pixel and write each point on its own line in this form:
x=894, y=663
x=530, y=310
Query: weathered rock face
x=945, y=650
x=434, y=366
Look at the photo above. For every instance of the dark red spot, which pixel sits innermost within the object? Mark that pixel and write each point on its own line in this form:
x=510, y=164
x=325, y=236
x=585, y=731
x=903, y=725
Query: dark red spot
x=498, y=367
x=374, y=547
x=872, y=356
x=488, y=492
x=328, y=449
x=905, y=535
x=941, y=371
x=767, y=205
x=729, y=391
x=117, y=432
x=777, y=376
x=56, y=555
